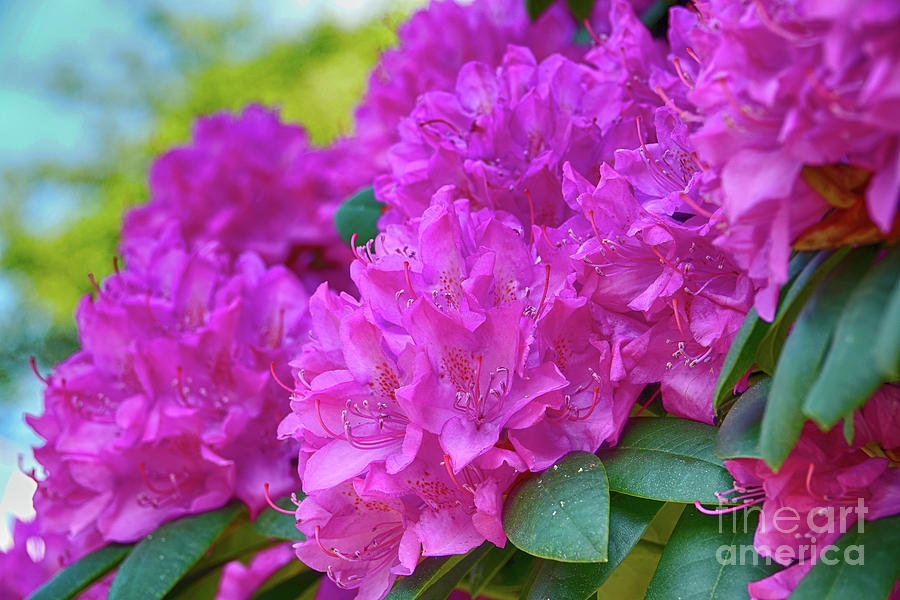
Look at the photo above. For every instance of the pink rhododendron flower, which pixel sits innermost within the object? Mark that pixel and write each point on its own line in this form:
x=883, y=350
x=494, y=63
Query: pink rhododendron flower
x=240, y=581
x=823, y=488
x=168, y=408
x=780, y=86
x=250, y=183
x=35, y=557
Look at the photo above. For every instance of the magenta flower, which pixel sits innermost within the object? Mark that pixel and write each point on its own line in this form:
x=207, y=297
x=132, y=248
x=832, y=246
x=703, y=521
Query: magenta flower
x=251, y=183
x=169, y=407
x=823, y=488
x=361, y=541
x=783, y=86
x=240, y=581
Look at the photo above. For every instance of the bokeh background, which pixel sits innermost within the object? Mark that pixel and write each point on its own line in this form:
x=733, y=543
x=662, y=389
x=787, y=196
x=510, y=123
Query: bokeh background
x=90, y=92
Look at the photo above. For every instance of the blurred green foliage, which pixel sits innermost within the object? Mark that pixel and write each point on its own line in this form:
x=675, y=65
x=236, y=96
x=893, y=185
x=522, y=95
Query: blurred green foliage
x=315, y=79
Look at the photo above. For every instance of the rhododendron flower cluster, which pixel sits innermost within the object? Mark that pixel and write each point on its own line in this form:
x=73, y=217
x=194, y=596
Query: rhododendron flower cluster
x=776, y=89
x=156, y=416
x=566, y=228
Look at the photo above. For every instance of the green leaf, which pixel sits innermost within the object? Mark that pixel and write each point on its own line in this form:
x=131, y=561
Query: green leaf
x=75, y=578
x=358, y=214
x=738, y=436
x=887, y=344
x=487, y=568
x=164, y=556
x=203, y=586
x=434, y=578
x=789, y=305
x=697, y=561
x=741, y=356
x=628, y=518
x=580, y=9
x=802, y=355
x=510, y=581
x=290, y=588
x=655, y=12
x=666, y=459
x=537, y=7
x=849, y=375
x=864, y=565
x=562, y=513
x=742, y=353
x=289, y=571
x=274, y=524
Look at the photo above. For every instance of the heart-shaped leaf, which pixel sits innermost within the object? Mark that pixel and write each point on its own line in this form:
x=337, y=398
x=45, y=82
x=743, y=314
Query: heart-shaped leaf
x=628, y=518
x=164, y=556
x=666, y=459
x=562, y=513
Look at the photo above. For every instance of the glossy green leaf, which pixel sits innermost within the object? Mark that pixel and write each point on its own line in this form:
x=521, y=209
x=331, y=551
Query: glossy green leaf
x=290, y=588
x=509, y=582
x=887, y=344
x=741, y=356
x=205, y=585
x=435, y=577
x=863, y=565
x=289, y=571
x=738, y=436
x=274, y=524
x=709, y=558
x=480, y=576
x=849, y=375
x=69, y=582
x=164, y=556
x=358, y=214
x=802, y=356
x=789, y=305
x=742, y=353
x=628, y=518
x=562, y=513
x=666, y=459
